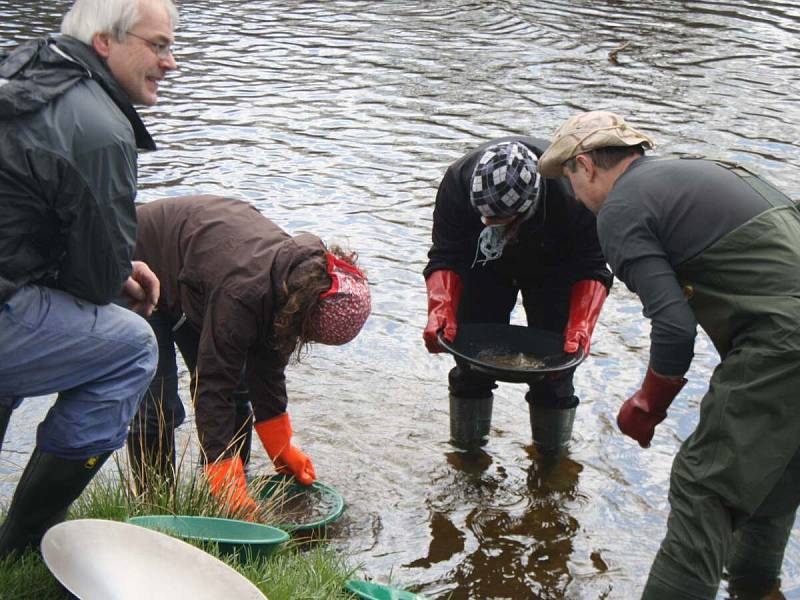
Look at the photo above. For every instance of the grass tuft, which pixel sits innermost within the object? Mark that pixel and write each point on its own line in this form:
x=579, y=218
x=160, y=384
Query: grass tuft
x=308, y=571
x=28, y=578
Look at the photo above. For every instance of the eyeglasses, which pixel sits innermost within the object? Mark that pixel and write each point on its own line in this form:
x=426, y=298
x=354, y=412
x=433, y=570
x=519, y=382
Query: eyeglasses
x=161, y=50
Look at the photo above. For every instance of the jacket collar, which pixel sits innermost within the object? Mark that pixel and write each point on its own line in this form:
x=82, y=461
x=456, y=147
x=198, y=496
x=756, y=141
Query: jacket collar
x=39, y=71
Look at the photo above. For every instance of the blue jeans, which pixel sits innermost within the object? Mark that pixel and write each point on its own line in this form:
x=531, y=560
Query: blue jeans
x=100, y=360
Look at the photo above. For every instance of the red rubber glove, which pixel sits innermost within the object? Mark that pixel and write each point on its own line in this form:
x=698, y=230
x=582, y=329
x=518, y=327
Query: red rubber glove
x=585, y=302
x=444, y=294
x=228, y=485
x=276, y=436
x=639, y=414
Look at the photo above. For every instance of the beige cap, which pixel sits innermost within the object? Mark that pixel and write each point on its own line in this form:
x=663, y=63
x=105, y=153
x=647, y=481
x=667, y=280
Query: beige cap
x=588, y=131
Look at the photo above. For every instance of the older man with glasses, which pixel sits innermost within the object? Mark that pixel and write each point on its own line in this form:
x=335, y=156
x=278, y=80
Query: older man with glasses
x=69, y=136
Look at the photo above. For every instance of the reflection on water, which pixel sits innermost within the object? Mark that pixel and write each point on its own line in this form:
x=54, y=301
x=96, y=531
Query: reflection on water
x=339, y=117
x=522, y=527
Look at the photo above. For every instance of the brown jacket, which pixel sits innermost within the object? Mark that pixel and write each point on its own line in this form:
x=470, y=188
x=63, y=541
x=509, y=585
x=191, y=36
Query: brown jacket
x=223, y=264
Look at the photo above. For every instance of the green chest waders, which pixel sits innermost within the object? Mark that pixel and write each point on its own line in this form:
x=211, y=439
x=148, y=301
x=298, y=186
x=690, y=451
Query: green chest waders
x=739, y=469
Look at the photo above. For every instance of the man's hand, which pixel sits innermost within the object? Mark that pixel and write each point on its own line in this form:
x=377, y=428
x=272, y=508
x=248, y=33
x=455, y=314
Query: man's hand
x=142, y=289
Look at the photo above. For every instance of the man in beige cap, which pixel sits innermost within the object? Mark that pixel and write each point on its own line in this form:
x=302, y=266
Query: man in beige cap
x=704, y=242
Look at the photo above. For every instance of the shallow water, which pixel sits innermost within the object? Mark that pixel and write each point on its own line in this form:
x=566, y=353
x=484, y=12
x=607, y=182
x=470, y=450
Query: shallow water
x=339, y=117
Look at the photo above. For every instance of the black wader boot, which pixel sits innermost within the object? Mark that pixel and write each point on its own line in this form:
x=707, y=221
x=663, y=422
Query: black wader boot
x=470, y=420
x=755, y=589
x=47, y=488
x=244, y=425
x=5, y=417
x=551, y=428
x=754, y=561
x=151, y=459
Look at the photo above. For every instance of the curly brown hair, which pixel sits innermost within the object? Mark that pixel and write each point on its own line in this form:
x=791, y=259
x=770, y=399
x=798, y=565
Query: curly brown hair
x=292, y=325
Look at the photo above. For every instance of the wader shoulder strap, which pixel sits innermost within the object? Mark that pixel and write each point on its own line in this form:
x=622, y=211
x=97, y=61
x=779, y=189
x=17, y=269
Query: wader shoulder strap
x=773, y=196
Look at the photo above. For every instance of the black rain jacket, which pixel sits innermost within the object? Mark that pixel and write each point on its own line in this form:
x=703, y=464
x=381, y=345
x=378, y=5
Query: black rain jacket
x=556, y=247
x=68, y=140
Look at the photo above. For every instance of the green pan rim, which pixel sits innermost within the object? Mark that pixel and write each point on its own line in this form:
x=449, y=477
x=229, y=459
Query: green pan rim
x=336, y=512
x=280, y=535
x=355, y=586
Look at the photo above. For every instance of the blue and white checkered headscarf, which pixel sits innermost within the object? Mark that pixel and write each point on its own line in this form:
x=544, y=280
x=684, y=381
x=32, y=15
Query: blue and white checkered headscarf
x=506, y=181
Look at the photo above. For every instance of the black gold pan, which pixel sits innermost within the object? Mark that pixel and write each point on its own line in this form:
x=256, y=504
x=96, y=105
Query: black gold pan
x=511, y=352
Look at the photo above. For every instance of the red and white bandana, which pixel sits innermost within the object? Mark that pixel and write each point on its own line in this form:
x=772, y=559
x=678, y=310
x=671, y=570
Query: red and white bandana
x=344, y=307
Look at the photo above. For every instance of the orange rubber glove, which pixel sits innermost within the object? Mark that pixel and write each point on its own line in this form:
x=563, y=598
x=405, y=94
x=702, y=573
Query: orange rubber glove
x=585, y=302
x=444, y=294
x=276, y=435
x=228, y=485
x=639, y=414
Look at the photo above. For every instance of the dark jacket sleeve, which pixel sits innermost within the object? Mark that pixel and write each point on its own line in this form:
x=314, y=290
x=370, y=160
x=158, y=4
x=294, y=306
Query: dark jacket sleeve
x=99, y=233
x=226, y=334
x=455, y=228
x=266, y=380
x=67, y=187
x=229, y=339
x=93, y=193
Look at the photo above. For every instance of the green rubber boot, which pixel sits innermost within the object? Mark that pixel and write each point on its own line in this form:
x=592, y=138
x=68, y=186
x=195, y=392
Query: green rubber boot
x=470, y=420
x=755, y=559
x=551, y=428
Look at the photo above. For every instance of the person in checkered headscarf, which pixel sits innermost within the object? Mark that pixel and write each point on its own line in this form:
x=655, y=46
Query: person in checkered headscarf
x=501, y=229
x=239, y=297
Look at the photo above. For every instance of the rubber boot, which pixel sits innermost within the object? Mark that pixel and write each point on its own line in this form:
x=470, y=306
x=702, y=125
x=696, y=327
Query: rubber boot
x=755, y=558
x=754, y=588
x=151, y=459
x=470, y=420
x=244, y=450
x=47, y=488
x=551, y=428
x=5, y=417
x=657, y=589
x=244, y=425
x=669, y=580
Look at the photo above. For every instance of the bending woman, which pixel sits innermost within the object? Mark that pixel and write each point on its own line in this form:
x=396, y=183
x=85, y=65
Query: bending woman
x=239, y=297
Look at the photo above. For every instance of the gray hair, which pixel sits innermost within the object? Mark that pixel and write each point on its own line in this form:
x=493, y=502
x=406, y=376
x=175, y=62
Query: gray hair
x=87, y=17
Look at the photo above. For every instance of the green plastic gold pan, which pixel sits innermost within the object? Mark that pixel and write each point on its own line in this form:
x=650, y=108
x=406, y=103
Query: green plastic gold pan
x=297, y=507
x=376, y=591
x=230, y=536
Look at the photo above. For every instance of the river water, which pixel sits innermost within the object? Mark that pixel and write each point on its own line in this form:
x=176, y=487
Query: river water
x=340, y=117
